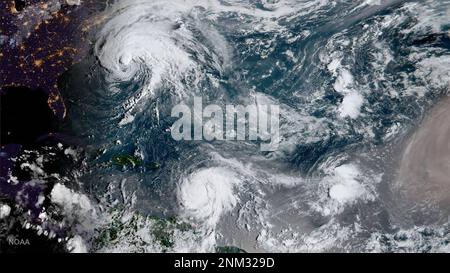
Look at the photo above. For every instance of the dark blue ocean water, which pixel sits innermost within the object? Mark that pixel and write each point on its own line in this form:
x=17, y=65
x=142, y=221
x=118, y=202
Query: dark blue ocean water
x=348, y=76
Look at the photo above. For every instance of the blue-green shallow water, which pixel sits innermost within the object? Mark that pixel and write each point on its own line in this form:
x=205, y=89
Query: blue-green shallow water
x=351, y=77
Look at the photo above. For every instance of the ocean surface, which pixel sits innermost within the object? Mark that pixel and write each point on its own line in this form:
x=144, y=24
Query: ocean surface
x=353, y=80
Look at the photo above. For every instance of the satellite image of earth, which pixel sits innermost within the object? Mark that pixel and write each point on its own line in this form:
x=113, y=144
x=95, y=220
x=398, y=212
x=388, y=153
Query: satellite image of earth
x=88, y=161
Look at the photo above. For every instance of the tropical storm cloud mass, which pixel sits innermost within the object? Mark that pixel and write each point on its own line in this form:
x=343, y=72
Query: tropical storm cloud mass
x=225, y=126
